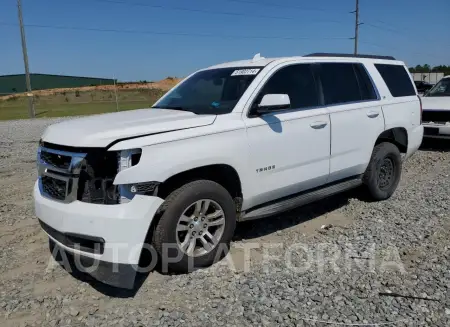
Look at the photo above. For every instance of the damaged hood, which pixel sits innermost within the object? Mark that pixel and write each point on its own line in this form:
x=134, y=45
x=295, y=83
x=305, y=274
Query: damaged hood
x=436, y=103
x=102, y=130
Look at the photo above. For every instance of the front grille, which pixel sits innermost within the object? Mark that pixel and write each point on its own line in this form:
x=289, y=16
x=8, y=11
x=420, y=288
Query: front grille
x=59, y=171
x=73, y=175
x=55, y=188
x=436, y=116
x=56, y=160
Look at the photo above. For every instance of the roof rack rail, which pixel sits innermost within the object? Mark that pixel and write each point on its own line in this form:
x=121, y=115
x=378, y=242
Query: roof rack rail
x=344, y=55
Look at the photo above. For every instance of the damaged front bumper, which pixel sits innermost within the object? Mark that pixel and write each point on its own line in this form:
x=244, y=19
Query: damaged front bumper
x=107, y=239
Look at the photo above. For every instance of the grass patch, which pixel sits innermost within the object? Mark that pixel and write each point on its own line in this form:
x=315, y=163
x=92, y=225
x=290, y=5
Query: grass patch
x=83, y=103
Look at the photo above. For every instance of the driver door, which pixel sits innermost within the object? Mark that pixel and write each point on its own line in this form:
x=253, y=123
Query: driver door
x=290, y=148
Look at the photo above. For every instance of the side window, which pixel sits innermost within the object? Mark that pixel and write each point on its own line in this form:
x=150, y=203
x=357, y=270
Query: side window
x=297, y=81
x=339, y=83
x=397, y=80
x=365, y=84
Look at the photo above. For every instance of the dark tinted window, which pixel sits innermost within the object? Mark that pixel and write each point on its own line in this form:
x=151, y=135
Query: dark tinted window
x=365, y=84
x=297, y=81
x=397, y=80
x=339, y=83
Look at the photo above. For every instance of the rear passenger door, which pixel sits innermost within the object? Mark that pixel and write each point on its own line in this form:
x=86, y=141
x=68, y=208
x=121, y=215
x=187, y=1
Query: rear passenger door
x=356, y=117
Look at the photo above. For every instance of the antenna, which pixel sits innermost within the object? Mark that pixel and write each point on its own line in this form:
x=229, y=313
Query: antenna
x=257, y=57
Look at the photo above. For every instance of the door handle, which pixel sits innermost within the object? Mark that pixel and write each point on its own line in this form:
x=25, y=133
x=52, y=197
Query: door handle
x=373, y=114
x=318, y=124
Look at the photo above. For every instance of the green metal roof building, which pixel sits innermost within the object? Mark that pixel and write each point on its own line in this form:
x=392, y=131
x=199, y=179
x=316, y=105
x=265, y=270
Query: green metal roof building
x=10, y=84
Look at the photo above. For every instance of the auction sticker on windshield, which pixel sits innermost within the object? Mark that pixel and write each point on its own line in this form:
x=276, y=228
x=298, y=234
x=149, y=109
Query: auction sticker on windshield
x=245, y=72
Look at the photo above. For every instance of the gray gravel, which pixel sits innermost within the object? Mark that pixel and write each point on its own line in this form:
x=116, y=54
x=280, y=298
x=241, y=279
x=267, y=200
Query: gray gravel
x=371, y=263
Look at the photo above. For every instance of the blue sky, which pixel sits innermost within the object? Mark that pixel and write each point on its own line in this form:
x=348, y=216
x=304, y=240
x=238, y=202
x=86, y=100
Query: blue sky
x=414, y=31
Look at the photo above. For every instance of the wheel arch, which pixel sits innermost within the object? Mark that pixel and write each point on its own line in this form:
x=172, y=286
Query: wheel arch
x=223, y=174
x=397, y=136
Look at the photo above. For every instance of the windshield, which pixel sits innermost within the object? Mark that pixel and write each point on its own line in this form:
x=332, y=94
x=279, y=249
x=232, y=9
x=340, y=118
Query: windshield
x=213, y=91
x=441, y=89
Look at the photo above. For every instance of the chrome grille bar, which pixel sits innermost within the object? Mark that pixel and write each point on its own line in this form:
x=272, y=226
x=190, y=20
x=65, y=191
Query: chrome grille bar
x=69, y=174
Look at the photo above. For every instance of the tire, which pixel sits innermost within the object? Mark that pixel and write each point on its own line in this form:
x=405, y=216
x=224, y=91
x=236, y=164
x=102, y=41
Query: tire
x=166, y=239
x=383, y=172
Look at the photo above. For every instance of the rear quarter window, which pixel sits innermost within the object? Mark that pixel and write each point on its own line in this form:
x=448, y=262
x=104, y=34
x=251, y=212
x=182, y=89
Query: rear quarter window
x=397, y=80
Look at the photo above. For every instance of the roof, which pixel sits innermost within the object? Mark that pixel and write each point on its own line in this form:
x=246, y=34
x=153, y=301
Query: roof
x=347, y=55
x=258, y=61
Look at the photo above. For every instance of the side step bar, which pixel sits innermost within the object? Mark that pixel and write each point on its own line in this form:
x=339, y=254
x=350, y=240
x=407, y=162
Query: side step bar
x=300, y=200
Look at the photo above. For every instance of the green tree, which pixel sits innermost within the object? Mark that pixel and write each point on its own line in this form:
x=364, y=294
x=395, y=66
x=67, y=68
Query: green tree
x=419, y=69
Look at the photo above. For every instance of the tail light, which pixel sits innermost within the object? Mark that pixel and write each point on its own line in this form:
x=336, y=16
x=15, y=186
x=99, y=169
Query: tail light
x=421, y=109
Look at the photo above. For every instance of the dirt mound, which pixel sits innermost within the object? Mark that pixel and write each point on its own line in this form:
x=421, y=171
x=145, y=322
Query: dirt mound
x=165, y=85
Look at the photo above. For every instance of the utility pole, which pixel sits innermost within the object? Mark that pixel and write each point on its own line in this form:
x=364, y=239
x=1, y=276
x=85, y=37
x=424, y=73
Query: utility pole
x=357, y=23
x=25, y=61
x=115, y=92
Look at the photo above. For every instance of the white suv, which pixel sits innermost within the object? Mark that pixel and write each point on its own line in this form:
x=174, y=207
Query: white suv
x=236, y=141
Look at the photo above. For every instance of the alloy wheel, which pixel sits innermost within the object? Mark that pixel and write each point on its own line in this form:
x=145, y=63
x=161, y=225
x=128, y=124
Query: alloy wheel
x=200, y=227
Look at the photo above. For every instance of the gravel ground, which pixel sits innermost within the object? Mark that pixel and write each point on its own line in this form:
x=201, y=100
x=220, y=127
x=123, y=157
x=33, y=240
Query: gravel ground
x=372, y=264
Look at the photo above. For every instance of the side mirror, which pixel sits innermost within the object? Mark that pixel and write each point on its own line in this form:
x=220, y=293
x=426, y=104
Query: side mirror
x=272, y=102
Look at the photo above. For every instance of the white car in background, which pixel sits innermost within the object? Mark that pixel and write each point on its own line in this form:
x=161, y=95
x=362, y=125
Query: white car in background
x=436, y=110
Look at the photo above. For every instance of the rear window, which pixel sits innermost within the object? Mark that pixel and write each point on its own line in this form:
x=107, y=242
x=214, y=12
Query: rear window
x=397, y=80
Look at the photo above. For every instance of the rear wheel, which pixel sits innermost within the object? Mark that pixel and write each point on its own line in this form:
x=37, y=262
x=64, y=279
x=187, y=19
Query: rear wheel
x=384, y=171
x=196, y=226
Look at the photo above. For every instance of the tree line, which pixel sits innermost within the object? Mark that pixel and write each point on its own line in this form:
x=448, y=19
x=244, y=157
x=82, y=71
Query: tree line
x=428, y=69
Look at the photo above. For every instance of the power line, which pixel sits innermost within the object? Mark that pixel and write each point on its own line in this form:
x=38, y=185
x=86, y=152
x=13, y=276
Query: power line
x=204, y=11
x=388, y=29
x=390, y=26
x=211, y=12
x=271, y=4
x=395, y=48
x=385, y=28
x=227, y=36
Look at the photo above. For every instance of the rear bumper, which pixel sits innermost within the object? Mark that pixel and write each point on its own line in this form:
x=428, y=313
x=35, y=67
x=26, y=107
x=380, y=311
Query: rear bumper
x=437, y=131
x=415, y=137
x=109, y=236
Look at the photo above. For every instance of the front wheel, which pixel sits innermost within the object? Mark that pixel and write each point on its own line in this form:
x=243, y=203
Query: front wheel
x=196, y=226
x=383, y=172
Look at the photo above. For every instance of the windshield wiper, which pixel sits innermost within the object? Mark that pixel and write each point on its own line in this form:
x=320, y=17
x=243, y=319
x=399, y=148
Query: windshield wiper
x=172, y=108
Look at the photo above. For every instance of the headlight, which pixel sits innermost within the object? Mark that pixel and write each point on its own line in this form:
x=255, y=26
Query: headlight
x=128, y=158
